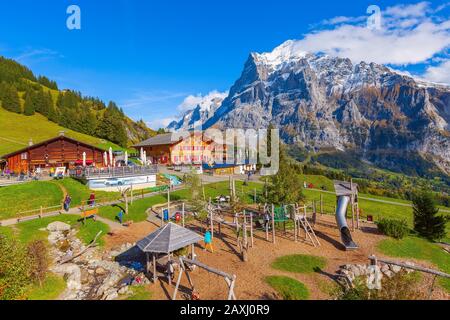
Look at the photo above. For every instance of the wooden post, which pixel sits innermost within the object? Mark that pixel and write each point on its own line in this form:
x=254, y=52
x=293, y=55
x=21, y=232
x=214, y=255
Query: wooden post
x=273, y=224
x=192, y=252
x=321, y=204
x=254, y=197
x=147, y=258
x=182, y=215
x=142, y=193
x=155, y=276
x=295, y=224
x=314, y=216
x=211, y=222
x=132, y=196
x=126, y=202
x=251, y=230
x=168, y=200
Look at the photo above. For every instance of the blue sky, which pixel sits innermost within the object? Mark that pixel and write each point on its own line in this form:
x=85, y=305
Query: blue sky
x=150, y=55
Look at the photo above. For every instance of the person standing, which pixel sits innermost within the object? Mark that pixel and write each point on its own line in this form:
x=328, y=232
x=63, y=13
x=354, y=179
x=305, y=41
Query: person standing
x=92, y=199
x=67, y=202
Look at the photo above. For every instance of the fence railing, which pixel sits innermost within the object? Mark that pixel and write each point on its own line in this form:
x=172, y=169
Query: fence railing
x=116, y=172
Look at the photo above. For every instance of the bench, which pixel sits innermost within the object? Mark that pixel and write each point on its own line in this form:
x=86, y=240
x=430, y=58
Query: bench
x=89, y=214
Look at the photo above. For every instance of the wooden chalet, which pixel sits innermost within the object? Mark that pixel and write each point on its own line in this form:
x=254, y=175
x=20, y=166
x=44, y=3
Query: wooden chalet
x=61, y=151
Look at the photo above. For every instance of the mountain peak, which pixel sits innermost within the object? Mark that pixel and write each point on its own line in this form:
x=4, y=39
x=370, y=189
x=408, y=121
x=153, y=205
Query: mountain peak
x=286, y=52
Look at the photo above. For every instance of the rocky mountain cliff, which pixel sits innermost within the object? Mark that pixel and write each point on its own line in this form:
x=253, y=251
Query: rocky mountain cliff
x=321, y=102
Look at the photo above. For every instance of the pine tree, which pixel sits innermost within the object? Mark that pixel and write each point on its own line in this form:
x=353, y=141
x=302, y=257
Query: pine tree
x=285, y=187
x=10, y=98
x=29, y=108
x=427, y=221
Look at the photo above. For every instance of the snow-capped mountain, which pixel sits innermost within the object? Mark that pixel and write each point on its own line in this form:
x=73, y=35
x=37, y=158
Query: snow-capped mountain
x=205, y=107
x=320, y=101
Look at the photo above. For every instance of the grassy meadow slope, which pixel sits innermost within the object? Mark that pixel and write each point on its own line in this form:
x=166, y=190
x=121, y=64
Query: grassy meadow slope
x=16, y=130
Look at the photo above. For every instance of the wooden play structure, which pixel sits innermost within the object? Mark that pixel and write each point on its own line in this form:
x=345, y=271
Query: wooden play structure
x=159, y=248
x=185, y=266
x=301, y=223
x=161, y=245
x=242, y=224
x=290, y=213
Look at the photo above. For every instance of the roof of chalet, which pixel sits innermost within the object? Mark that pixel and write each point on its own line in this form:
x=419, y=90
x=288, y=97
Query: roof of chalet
x=168, y=239
x=36, y=145
x=159, y=140
x=344, y=188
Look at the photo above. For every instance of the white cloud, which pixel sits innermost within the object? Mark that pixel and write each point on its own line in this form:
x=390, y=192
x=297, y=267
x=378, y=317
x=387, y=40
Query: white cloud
x=146, y=98
x=439, y=73
x=37, y=55
x=191, y=101
x=410, y=34
x=160, y=123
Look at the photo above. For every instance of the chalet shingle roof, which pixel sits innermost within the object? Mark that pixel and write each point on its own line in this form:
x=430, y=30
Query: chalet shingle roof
x=161, y=139
x=168, y=239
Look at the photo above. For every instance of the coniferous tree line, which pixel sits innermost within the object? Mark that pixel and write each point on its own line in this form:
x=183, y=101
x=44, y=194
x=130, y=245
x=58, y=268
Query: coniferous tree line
x=21, y=92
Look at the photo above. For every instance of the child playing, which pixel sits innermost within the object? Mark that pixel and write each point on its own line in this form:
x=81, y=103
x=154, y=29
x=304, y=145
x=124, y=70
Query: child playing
x=208, y=242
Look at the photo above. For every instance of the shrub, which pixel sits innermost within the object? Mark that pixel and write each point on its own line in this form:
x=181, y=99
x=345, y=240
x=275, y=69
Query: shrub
x=401, y=286
x=37, y=252
x=427, y=221
x=397, y=229
x=14, y=269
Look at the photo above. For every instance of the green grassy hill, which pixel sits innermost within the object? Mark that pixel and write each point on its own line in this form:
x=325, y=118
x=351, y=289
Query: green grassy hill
x=16, y=130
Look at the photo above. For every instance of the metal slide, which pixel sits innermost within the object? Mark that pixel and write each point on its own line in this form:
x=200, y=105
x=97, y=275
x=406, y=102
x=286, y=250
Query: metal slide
x=341, y=220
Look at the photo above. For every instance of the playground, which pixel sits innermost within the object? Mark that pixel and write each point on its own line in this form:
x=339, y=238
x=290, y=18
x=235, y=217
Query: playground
x=266, y=252
x=251, y=276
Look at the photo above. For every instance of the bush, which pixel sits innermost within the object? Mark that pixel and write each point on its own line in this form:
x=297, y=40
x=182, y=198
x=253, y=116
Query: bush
x=14, y=269
x=37, y=252
x=401, y=286
x=427, y=221
x=397, y=229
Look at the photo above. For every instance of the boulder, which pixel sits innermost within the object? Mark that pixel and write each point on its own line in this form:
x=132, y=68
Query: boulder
x=58, y=226
x=396, y=269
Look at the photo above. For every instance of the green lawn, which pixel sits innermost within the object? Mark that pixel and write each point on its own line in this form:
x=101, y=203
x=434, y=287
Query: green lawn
x=52, y=287
x=28, y=196
x=299, y=263
x=16, y=130
x=288, y=288
x=32, y=195
x=421, y=249
x=30, y=230
x=318, y=182
x=140, y=293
